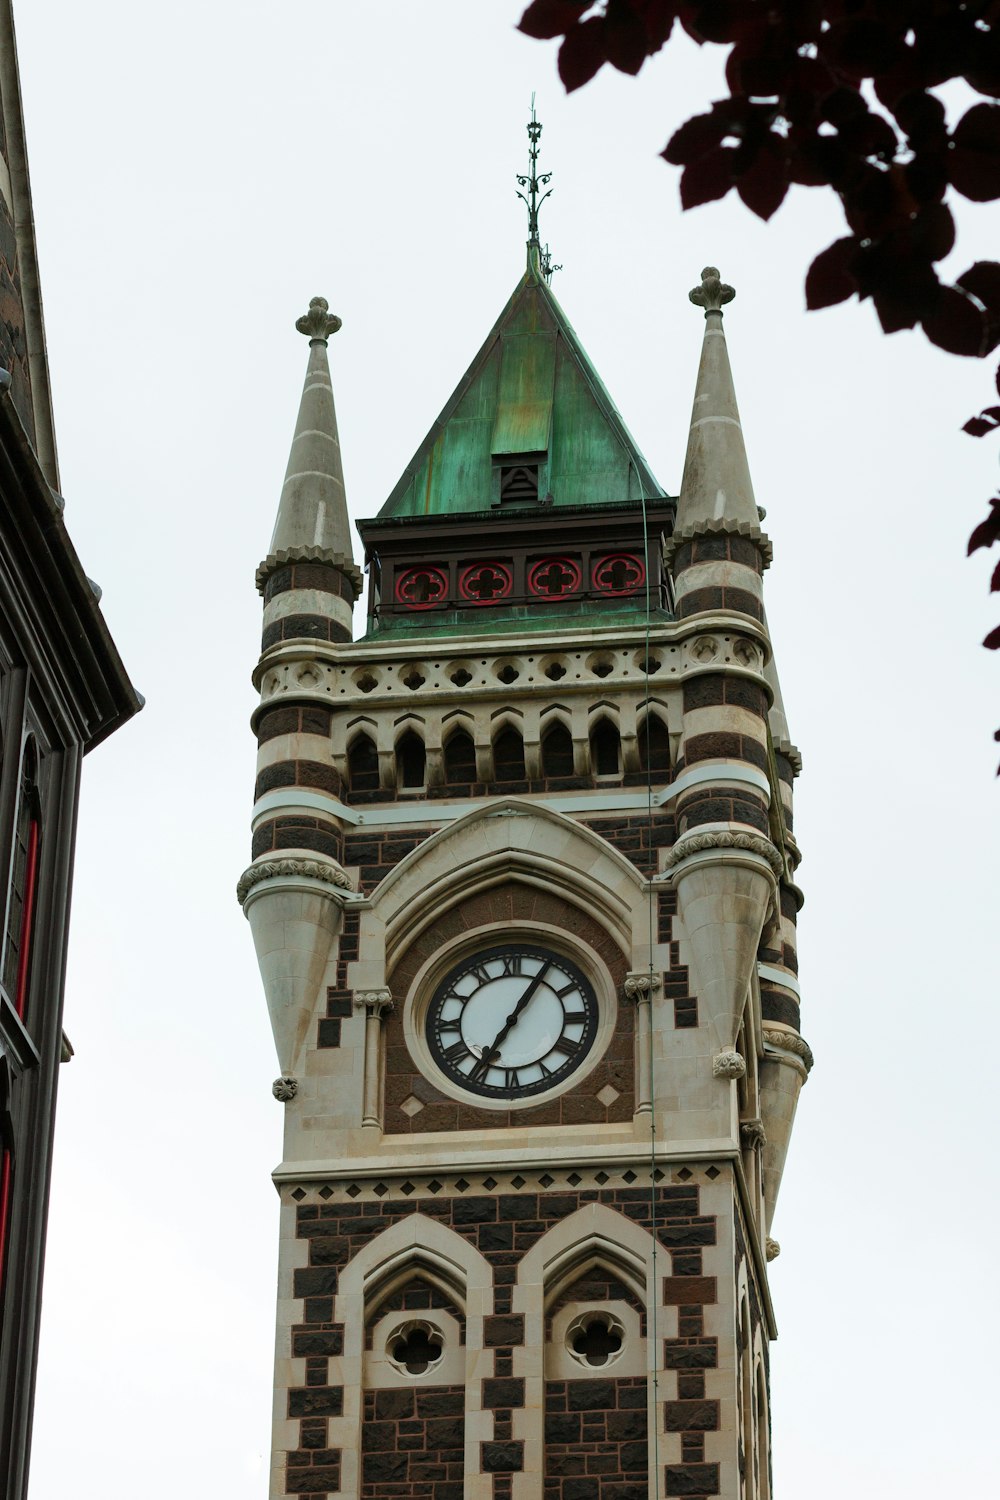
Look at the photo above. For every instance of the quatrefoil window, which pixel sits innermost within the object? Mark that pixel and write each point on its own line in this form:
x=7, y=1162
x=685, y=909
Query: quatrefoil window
x=595, y=1338
x=415, y=1348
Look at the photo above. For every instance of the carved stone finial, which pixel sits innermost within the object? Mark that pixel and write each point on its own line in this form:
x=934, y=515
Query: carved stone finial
x=752, y=1134
x=728, y=1064
x=284, y=1089
x=319, y=322
x=713, y=294
x=771, y=1248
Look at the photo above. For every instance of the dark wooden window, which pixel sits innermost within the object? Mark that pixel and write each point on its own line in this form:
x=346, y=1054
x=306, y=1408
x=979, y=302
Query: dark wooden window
x=362, y=765
x=23, y=882
x=605, y=749
x=557, y=752
x=508, y=756
x=654, y=746
x=411, y=760
x=460, y=759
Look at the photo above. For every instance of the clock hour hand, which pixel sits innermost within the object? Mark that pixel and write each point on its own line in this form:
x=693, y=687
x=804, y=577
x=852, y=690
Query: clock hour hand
x=490, y=1053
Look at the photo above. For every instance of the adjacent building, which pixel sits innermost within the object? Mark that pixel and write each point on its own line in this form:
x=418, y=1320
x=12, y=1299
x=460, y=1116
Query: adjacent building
x=63, y=689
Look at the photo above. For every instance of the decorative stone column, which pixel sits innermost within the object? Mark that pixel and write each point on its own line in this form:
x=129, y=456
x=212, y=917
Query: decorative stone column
x=375, y=1004
x=639, y=988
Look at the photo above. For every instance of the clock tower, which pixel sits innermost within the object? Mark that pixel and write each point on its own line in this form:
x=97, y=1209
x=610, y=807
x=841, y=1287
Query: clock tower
x=523, y=899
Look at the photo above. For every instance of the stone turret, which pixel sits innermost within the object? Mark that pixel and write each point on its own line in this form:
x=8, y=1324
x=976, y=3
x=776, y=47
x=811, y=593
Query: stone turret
x=733, y=862
x=724, y=863
x=293, y=893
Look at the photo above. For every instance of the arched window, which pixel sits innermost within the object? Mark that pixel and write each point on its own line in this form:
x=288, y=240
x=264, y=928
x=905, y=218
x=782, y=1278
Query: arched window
x=508, y=756
x=654, y=746
x=605, y=749
x=459, y=759
x=362, y=765
x=557, y=752
x=411, y=760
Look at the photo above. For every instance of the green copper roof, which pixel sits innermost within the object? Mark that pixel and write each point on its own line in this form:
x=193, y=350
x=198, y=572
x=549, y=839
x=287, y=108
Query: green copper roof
x=531, y=389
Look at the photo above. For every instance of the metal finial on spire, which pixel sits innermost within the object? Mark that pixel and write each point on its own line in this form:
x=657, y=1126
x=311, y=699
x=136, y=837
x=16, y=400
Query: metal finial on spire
x=534, y=180
x=319, y=322
x=713, y=293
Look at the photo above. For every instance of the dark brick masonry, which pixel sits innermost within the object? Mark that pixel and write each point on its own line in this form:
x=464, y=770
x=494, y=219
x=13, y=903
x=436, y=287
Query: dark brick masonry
x=298, y=833
x=506, y=906
x=595, y=1440
x=676, y=982
x=502, y=1228
x=13, y=348
x=637, y=838
x=413, y=1444
x=320, y=577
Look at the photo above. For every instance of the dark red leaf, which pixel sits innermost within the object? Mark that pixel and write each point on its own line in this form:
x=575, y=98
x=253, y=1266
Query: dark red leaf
x=695, y=137
x=992, y=641
x=981, y=426
x=987, y=532
x=863, y=47
x=765, y=182
x=549, y=18
x=983, y=281
x=956, y=324
x=997, y=380
x=829, y=279
x=974, y=160
x=710, y=177
x=625, y=36
x=984, y=73
x=582, y=53
x=995, y=580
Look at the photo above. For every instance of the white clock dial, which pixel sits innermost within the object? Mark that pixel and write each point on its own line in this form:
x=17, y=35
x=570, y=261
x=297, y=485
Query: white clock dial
x=512, y=1020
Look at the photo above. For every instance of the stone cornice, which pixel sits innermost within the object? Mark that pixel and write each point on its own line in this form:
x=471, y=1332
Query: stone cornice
x=327, y=871
x=789, y=1041
x=289, y=555
x=718, y=526
x=723, y=839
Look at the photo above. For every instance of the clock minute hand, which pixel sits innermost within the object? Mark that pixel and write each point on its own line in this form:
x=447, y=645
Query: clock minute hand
x=490, y=1052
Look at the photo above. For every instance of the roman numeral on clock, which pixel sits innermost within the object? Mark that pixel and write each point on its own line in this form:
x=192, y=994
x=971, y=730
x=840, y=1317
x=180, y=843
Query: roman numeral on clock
x=482, y=973
x=511, y=964
x=455, y=1052
x=566, y=1047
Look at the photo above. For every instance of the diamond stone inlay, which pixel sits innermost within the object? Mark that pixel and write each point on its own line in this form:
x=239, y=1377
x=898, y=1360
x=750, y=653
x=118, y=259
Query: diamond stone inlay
x=607, y=1095
x=411, y=1106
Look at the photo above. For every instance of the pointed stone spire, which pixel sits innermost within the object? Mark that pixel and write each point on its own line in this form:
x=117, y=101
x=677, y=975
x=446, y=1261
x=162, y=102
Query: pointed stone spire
x=716, y=491
x=312, y=523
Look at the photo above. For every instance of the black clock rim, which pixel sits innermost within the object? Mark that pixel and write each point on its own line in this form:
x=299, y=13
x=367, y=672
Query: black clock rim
x=543, y=1085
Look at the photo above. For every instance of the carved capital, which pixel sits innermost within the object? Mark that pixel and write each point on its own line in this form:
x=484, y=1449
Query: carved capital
x=376, y=1003
x=789, y=1041
x=319, y=322
x=728, y=1064
x=752, y=1134
x=641, y=985
x=713, y=294
x=771, y=1248
x=724, y=838
x=284, y=1089
x=313, y=869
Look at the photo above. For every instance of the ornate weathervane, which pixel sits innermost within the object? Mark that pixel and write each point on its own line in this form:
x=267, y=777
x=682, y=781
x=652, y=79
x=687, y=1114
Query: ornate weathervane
x=534, y=197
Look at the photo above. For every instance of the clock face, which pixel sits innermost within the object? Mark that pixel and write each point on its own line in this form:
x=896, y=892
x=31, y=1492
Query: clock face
x=512, y=1020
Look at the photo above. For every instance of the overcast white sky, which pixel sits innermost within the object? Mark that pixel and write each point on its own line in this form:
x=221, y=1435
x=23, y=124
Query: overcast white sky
x=200, y=170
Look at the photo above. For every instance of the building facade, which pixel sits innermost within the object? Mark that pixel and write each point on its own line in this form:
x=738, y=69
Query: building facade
x=523, y=900
x=63, y=689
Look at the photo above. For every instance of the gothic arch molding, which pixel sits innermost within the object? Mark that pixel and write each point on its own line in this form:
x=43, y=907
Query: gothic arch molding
x=511, y=840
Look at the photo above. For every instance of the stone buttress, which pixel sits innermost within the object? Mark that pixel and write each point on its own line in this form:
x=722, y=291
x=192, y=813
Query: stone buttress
x=523, y=903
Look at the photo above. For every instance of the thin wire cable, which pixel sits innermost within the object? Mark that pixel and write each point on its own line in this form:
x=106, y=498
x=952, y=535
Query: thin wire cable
x=654, y=1215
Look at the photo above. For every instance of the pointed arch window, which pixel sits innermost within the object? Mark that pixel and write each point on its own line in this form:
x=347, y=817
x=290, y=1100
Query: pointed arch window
x=605, y=749
x=508, y=757
x=362, y=765
x=557, y=753
x=460, y=759
x=654, y=746
x=411, y=761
